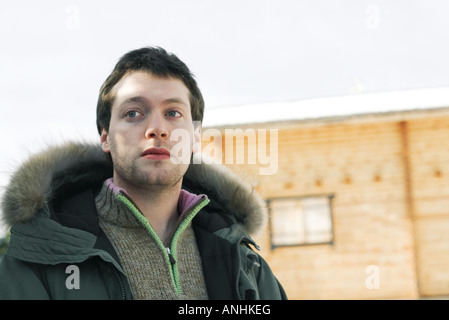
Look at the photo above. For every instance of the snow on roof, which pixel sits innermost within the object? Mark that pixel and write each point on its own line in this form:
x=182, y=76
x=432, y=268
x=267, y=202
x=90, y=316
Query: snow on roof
x=328, y=107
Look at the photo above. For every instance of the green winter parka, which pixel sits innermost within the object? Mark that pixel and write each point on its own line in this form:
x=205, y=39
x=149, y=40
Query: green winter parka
x=57, y=249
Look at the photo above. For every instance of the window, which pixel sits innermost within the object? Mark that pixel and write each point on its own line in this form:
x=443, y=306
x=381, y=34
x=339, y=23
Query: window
x=301, y=220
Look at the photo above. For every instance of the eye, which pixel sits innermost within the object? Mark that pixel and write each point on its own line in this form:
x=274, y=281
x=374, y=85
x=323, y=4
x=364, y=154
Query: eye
x=173, y=114
x=133, y=114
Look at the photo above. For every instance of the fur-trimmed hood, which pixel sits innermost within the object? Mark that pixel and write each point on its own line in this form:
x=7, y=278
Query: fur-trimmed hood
x=45, y=174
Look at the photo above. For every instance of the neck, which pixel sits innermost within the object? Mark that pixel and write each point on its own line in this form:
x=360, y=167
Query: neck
x=159, y=205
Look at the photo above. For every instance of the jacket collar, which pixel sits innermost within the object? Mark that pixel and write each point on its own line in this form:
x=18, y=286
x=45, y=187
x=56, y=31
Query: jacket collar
x=48, y=178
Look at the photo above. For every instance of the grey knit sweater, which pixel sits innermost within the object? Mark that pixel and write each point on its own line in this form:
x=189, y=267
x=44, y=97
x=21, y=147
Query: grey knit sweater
x=145, y=261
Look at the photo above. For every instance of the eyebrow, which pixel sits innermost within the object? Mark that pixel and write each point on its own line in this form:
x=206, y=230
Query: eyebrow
x=174, y=100
x=140, y=99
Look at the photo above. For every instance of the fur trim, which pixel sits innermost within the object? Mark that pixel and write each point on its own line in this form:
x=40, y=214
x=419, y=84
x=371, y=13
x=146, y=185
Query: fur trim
x=229, y=192
x=32, y=186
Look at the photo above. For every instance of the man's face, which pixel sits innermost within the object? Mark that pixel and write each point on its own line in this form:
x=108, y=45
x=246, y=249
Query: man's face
x=146, y=110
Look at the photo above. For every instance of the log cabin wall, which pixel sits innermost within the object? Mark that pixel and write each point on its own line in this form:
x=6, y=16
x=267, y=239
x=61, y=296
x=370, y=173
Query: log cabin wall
x=429, y=163
x=389, y=181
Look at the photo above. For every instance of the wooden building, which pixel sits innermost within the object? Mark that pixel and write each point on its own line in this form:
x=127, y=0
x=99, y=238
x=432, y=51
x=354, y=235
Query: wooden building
x=358, y=205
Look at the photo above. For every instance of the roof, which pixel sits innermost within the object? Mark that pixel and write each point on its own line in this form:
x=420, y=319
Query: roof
x=384, y=106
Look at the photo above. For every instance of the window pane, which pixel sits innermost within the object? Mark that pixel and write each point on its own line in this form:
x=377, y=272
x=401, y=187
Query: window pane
x=317, y=219
x=287, y=223
x=300, y=220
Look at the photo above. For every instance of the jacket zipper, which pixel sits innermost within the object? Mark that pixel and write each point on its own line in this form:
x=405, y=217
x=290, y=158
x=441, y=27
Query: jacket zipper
x=120, y=280
x=170, y=254
x=246, y=240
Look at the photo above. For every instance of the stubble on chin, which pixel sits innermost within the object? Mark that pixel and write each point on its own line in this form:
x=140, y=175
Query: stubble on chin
x=132, y=171
x=156, y=176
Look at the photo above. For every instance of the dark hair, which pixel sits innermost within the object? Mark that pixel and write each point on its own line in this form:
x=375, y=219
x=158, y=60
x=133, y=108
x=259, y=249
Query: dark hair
x=158, y=62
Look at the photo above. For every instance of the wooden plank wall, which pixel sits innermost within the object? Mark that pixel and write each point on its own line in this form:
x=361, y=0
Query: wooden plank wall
x=390, y=212
x=429, y=162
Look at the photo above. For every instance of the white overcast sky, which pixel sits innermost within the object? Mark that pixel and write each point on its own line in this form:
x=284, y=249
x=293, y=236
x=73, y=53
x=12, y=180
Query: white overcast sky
x=55, y=55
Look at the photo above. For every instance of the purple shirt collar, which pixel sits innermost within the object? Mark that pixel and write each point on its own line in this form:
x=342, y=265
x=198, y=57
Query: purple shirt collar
x=186, y=199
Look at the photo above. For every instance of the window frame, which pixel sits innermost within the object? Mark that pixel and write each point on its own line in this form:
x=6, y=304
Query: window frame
x=301, y=244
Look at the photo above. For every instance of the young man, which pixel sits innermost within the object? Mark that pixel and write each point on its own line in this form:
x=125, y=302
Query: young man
x=142, y=222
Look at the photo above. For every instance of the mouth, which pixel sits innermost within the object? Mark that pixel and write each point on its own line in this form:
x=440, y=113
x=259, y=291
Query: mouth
x=156, y=154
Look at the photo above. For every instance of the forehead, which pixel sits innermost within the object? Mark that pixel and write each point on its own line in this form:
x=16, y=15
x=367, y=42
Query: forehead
x=147, y=85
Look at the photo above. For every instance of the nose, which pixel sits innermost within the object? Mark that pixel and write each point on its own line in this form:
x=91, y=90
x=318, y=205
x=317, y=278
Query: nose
x=156, y=128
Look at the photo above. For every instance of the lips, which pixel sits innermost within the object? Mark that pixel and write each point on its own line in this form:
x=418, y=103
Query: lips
x=156, y=154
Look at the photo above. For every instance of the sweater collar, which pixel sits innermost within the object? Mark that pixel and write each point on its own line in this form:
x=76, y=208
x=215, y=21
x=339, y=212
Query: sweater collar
x=185, y=202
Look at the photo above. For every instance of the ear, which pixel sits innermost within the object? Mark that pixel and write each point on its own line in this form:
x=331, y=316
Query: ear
x=104, y=140
x=196, y=147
